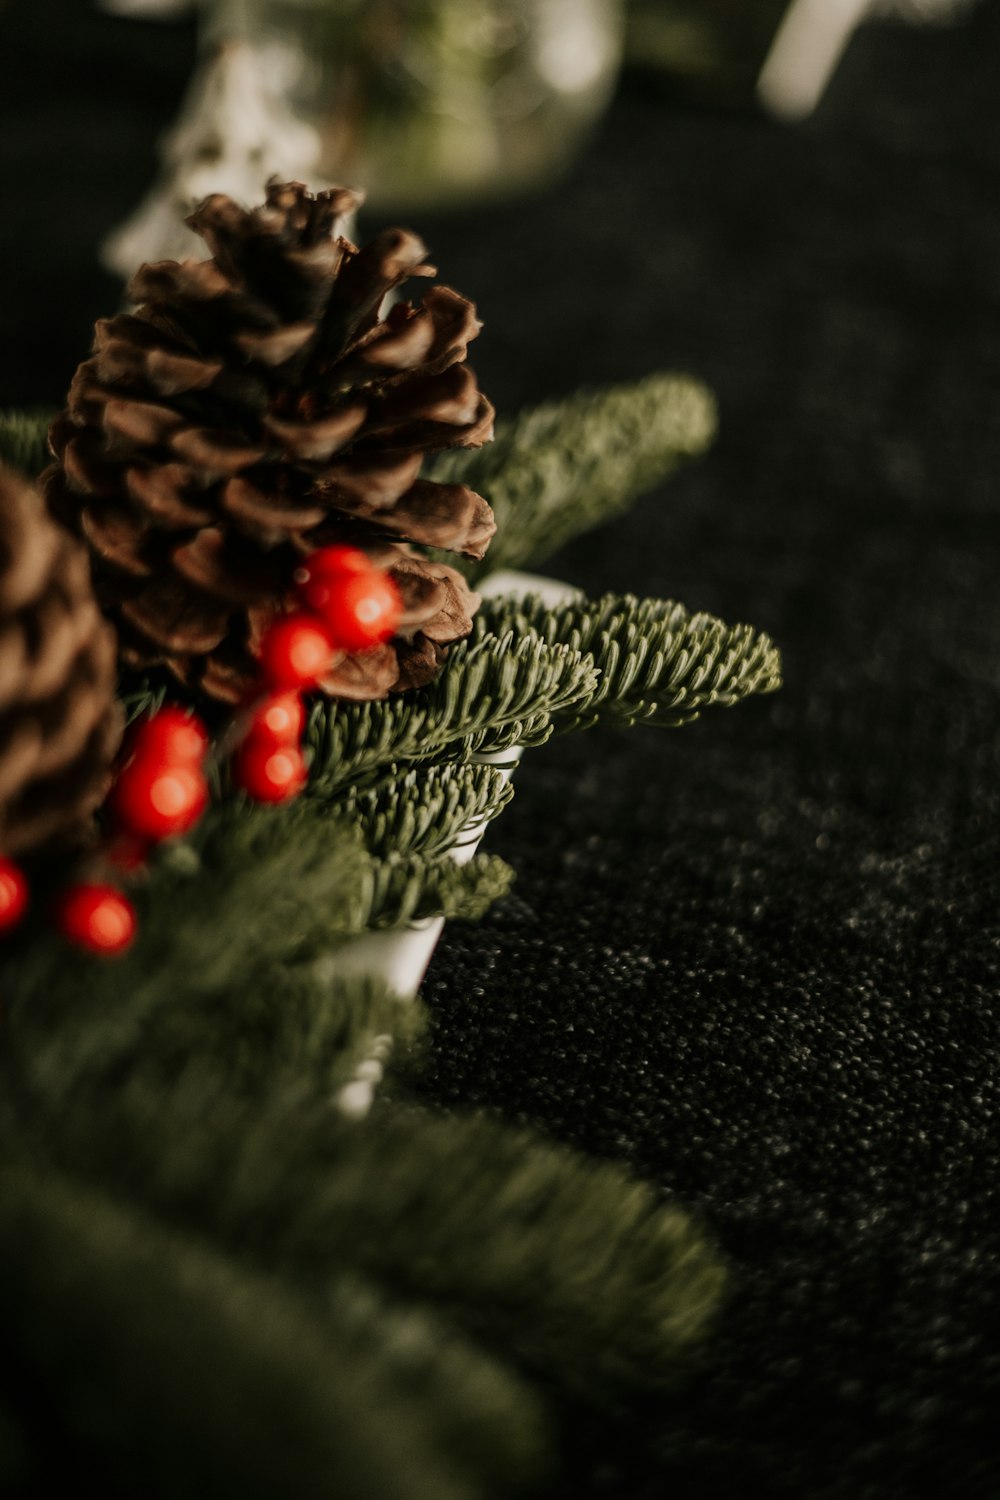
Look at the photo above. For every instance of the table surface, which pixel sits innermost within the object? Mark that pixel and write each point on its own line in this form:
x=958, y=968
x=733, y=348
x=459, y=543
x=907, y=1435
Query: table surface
x=756, y=960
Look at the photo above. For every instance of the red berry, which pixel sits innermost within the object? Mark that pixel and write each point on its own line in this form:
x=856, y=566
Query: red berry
x=296, y=652
x=13, y=894
x=323, y=570
x=159, y=801
x=363, y=610
x=278, y=720
x=97, y=917
x=269, y=773
x=172, y=737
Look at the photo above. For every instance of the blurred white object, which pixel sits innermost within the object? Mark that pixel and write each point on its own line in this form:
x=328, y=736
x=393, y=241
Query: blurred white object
x=401, y=958
x=153, y=10
x=233, y=133
x=445, y=102
x=812, y=38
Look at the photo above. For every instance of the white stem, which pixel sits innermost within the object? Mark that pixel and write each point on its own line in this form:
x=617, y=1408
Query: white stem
x=808, y=46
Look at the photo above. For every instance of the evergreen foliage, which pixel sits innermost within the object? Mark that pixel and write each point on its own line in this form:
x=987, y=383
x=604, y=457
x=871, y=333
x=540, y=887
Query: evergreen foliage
x=657, y=663
x=561, y=468
x=252, y=892
x=426, y=810
x=216, y=1281
x=171, y=1368
x=498, y=693
x=24, y=440
x=529, y=670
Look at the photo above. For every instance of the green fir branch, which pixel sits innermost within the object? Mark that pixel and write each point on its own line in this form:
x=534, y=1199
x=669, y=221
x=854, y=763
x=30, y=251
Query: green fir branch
x=401, y=890
x=164, y=1358
x=566, y=1268
x=252, y=899
x=24, y=438
x=658, y=664
x=493, y=694
x=426, y=810
x=564, y=467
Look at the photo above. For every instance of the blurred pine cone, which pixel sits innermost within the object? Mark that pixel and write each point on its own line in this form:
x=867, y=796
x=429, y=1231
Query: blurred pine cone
x=254, y=407
x=59, y=722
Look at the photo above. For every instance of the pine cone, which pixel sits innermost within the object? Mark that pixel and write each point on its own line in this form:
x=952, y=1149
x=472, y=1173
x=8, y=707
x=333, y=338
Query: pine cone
x=256, y=406
x=59, y=722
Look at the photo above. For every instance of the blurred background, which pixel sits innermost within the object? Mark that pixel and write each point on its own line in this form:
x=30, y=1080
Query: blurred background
x=758, y=963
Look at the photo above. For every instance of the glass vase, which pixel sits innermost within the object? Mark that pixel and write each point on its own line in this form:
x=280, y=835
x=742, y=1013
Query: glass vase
x=434, y=102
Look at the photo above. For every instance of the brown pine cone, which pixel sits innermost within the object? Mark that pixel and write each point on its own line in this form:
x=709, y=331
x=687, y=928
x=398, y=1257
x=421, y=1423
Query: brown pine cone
x=59, y=722
x=254, y=407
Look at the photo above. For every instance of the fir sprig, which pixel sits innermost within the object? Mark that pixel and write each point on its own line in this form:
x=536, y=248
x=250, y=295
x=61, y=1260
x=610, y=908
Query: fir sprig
x=403, y=889
x=171, y=1367
x=566, y=466
x=24, y=440
x=426, y=810
x=529, y=669
x=251, y=891
x=657, y=663
x=496, y=693
x=302, y=1295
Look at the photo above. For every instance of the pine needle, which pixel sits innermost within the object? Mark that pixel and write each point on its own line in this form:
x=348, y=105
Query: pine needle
x=175, y=1369
x=567, y=466
x=24, y=440
x=425, y=810
x=657, y=663
x=494, y=694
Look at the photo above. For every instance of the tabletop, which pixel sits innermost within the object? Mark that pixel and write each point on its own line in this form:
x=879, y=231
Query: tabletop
x=756, y=960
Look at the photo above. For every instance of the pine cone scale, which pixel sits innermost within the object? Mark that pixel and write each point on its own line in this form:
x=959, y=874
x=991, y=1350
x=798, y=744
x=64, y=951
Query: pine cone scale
x=59, y=721
x=162, y=495
x=317, y=441
x=173, y=618
x=268, y=511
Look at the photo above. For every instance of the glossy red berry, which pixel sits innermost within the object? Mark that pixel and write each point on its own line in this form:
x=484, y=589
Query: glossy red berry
x=278, y=720
x=295, y=652
x=97, y=917
x=317, y=579
x=13, y=894
x=363, y=610
x=269, y=773
x=171, y=736
x=156, y=801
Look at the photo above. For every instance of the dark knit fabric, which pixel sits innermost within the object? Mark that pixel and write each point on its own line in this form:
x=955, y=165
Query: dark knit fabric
x=758, y=958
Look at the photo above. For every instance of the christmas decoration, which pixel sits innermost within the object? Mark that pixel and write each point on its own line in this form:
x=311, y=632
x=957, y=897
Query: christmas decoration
x=296, y=652
x=278, y=720
x=97, y=917
x=59, y=723
x=269, y=773
x=256, y=407
x=158, y=801
x=13, y=894
x=363, y=611
x=161, y=791
x=317, y=579
x=183, y=1168
x=170, y=734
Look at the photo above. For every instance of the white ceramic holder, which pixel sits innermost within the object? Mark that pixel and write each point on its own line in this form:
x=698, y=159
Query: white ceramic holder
x=401, y=958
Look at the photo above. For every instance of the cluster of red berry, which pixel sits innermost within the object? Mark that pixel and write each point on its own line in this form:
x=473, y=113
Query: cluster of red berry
x=92, y=914
x=162, y=790
x=346, y=605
